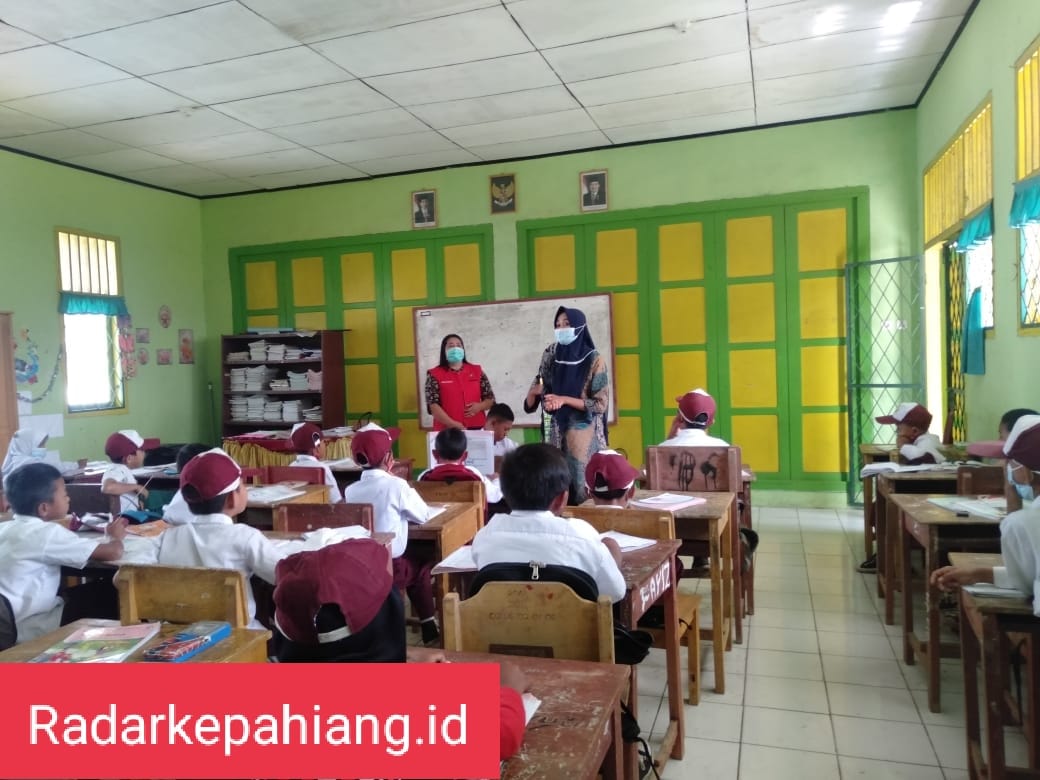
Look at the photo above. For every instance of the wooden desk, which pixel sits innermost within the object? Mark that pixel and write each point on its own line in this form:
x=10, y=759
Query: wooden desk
x=889, y=533
x=451, y=529
x=711, y=522
x=938, y=531
x=576, y=733
x=871, y=453
x=245, y=645
x=261, y=515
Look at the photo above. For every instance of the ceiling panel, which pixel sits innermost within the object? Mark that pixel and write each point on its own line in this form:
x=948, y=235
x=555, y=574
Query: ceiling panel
x=391, y=146
x=11, y=38
x=168, y=128
x=218, y=32
x=16, y=123
x=721, y=100
x=56, y=20
x=415, y=162
x=122, y=161
x=62, y=144
x=269, y=162
x=375, y=124
x=671, y=79
x=222, y=186
x=328, y=173
x=246, y=77
x=307, y=105
x=536, y=146
x=98, y=103
x=490, y=108
x=913, y=71
x=175, y=175
x=838, y=105
x=48, y=69
x=477, y=35
x=676, y=128
x=537, y=126
x=217, y=147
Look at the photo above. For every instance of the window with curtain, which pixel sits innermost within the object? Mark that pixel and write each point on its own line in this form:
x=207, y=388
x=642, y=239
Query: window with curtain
x=959, y=182
x=1025, y=208
x=1029, y=275
x=90, y=304
x=978, y=275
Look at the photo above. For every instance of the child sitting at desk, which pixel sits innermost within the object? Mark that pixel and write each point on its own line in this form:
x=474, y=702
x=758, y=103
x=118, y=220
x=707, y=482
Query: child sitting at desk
x=126, y=450
x=33, y=550
x=695, y=414
x=500, y=422
x=339, y=604
x=449, y=450
x=610, y=479
x=24, y=448
x=310, y=451
x=1019, y=531
x=396, y=504
x=916, y=445
x=177, y=512
x=213, y=487
x=536, y=480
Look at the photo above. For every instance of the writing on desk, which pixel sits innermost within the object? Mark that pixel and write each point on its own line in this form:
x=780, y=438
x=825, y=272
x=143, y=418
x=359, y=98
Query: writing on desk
x=657, y=584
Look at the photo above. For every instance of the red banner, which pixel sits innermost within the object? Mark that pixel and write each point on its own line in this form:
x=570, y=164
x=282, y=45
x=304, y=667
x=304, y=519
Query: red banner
x=249, y=720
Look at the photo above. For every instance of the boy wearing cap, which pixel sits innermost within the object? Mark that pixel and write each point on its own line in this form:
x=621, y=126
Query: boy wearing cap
x=695, y=415
x=396, y=504
x=449, y=450
x=33, y=550
x=213, y=487
x=177, y=512
x=610, y=480
x=310, y=450
x=126, y=449
x=536, y=482
x=1020, y=530
x=916, y=445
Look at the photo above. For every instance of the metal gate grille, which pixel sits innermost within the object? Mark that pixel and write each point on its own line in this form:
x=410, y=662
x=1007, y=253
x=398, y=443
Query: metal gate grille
x=885, y=321
x=953, y=265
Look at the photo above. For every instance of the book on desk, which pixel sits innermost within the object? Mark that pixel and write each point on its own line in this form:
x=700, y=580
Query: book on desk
x=103, y=642
x=189, y=641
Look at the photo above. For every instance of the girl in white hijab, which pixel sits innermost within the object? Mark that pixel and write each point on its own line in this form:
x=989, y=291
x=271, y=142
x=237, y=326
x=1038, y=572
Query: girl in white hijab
x=20, y=451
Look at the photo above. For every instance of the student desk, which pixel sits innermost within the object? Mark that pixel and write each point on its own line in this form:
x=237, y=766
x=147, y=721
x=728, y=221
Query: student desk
x=871, y=453
x=938, y=531
x=576, y=732
x=261, y=514
x=451, y=529
x=711, y=522
x=890, y=484
x=348, y=475
x=244, y=646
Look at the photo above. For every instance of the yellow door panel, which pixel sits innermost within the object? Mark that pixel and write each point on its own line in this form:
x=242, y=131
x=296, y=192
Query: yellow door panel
x=749, y=246
x=358, y=271
x=756, y=435
x=682, y=316
x=626, y=368
x=627, y=435
x=822, y=307
x=362, y=338
x=825, y=442
x=752, y=312
x=625, y=308
x=408, y=269
x=407, y=398
x=616, y=258
x=681, y=252
x=823, y=376
x=261, y=285
x=412, y=443
x=310, y=320
x=404, y=331
x=752, y=378
x=554, y=263
x=308, y=281
x=363, y=388
x=822, y=240
x=262, y=321
x=681, y=372
x=461, y=270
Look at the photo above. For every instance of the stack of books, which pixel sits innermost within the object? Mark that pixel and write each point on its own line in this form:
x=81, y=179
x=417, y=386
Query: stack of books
x=297, y=380
x=237, y=357
x=100, y=642
x=313, y=414
x=258, y=350
x=313, y=380
x=276, y=353
x=291, y=411
x=238, y=380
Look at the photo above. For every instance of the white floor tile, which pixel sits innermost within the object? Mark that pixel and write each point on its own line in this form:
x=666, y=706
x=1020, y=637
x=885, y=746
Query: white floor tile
x=863, y=671
x=781, y=585
x=871, y=701
x=705, y=758
x=774, y=617
x=714, y=721
x=649, y=706
x=952, y=709
x=858, y=604
x=791, y=639
x=734, y=690
x=777, y=663
x=786, y=694
x=758, y=762
x=848, y=623
x=950, y=745
x=867, y=769
x=775, y=599
x=858, y=645
x=787, y=729
x=887, y=741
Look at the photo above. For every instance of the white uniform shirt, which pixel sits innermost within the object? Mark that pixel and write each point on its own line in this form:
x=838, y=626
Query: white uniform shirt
x=693, y=437
x=118, y=472
x=504, y=447
x=394, y=502
x=335, y=496
x=492, y=492
x=177, y=512
x=216, y=542
x=925, y=444
x=32, y=552
x=1020, y=546
x=524, y=536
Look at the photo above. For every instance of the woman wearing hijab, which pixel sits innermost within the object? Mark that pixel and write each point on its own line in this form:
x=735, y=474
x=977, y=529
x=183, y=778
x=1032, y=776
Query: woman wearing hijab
x=457, y=392
x=574, y=388
x=20, y=450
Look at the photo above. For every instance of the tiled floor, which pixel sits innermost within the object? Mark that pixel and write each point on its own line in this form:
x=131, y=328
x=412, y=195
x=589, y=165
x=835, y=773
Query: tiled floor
x=818, y=690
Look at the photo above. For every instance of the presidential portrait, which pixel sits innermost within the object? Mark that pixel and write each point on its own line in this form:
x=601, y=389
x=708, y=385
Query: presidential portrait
x=593, y=190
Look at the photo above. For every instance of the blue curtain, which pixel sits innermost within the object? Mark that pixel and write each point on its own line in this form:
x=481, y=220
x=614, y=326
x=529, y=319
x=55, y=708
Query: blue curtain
x=973, y=336
x=977, y=230
x=1025, y=207
x=83, y=303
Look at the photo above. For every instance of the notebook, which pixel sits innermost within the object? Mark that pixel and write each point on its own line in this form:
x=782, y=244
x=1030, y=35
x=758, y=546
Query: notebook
x=98, y=644
x=667, y=501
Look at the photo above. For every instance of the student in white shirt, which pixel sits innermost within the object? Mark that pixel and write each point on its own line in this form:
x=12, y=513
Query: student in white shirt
x=536, y=482
x=694, y=417
x=126, y=450
x=310, y=451
x=33, y=550
x=449, y=450
x=177, y=511
x=610, y=479
x=1019, y=531
x=24, y=446
x=213, y=487
x=916, y=445
x=396, y=504
x=500, y=422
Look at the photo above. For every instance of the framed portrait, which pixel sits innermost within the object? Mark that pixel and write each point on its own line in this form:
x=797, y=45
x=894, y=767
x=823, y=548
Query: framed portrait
x=424, y=209
x=593, y=186
x=163, y=357
x=143, y=335
x=186, y=346
x=503, y=193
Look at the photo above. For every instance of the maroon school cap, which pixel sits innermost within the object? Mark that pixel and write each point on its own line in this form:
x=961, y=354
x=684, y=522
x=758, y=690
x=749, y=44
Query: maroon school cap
x=371, y=444
x=613, y=470
x=127, y=442
x=1023, y=444
x=305, y=436
x=353, y=575
x=909, y=413
x=695, y=403
x=208, y=475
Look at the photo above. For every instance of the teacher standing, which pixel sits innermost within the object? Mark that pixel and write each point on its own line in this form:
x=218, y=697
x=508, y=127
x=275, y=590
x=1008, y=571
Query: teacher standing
x=574, y=388
x=457, y=392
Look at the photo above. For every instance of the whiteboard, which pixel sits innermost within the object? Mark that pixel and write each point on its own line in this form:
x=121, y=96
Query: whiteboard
x=507, y=339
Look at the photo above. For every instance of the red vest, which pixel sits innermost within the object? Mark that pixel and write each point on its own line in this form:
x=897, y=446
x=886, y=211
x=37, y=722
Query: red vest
x=459, y=388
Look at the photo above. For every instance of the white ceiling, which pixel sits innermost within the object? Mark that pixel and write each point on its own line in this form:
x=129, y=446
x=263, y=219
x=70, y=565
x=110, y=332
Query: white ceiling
x=211, y=97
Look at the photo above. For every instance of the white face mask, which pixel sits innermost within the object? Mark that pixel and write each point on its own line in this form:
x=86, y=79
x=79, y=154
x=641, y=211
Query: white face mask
x=565, y=336
x=1025, y=492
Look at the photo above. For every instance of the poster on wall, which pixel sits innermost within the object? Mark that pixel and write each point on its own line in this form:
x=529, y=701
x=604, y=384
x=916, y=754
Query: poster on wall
x=424, y=209
x=163, y=357
x=503, y=193
x=144, y=336
x=593, y=190
x=165, y=316
x=142, y=356
x=186, y=346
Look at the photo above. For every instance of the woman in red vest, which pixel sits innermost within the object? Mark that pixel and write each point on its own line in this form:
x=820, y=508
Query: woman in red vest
x=457, y=392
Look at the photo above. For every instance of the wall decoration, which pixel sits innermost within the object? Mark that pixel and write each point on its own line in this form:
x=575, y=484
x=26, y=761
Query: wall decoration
x=186, y=342
x=163, y=357
x=127, y=348
x=143, y=335
x=503, y=193
x=165, y=316
x=593, y=190
x=142, y=356
x=424, y=209
x=27, y=369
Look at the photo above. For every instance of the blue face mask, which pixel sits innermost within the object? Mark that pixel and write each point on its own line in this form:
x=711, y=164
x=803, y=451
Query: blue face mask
x=455, y=354
x=565, y=336
x=1025, y=492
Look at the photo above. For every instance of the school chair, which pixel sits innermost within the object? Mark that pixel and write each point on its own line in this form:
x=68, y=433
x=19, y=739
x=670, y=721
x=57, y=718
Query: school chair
x=299, y=518
x=86, y=497
x=544, y=619
x=463, y=492
x=181, y=594
x=652, y=524
x=8, y=627
x=980, y=480
x=312, y=475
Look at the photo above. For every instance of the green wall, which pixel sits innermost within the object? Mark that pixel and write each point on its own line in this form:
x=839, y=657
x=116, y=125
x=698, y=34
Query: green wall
x=982, y=62
x=159, y=236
